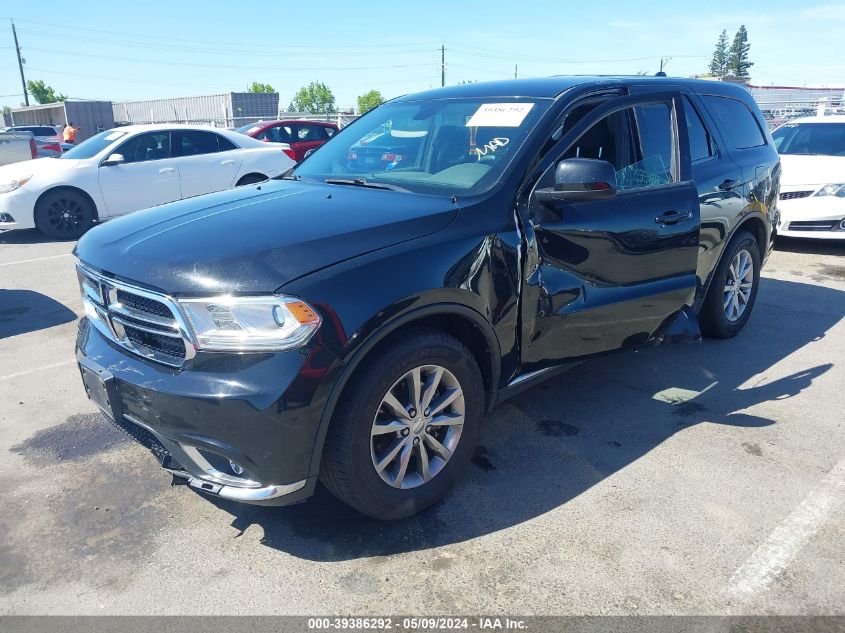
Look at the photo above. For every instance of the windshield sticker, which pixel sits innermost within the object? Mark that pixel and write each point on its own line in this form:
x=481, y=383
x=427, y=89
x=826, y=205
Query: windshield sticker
x=500, y=115
x=115, y=135
x=492, y=146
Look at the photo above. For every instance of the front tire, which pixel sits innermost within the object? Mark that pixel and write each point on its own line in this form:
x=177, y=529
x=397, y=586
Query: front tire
x=406, y=426
x=733, y=289
x=64, y=214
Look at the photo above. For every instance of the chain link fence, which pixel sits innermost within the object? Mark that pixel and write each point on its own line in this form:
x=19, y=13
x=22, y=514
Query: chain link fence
x=777, y=113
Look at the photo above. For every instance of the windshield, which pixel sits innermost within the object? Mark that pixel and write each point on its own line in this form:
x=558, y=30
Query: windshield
x=443, y=146
x=94, y=145
x=826, y=139
x=246, y=129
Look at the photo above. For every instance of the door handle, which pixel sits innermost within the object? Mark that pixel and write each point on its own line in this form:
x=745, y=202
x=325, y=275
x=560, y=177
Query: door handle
x=673, y=217
x=227, y=162
x=167, y=170
x=728, y=184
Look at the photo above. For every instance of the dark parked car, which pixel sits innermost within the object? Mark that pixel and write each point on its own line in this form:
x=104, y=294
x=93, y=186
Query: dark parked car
x=302, y=136
x=355, y=327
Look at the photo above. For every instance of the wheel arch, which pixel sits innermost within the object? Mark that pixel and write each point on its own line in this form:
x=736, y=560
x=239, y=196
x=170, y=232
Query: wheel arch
x=754, y=224
x=251, y=174
x=72, y=188
x=467, y=325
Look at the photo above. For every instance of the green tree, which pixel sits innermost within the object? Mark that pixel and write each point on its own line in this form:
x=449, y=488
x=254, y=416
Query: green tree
x=260, y=87
x=369, y=100
x=738, y=63
x=315, y=98
x=43, y=93
x=719, y=62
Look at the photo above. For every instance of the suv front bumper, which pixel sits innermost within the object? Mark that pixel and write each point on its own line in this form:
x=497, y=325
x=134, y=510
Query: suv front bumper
x=240, y=427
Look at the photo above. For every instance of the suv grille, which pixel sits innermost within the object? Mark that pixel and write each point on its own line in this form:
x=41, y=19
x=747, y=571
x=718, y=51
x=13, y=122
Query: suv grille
x=821, y=225
x=145, y=323
x=792, y=195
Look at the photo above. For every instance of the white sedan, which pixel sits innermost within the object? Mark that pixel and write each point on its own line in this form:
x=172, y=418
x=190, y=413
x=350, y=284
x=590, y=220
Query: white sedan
x=130, y=168
x=812, y=190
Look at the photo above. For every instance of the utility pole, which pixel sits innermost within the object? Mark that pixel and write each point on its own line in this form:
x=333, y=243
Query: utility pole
x=443, y=65
x=515, y=68
x=20, y=64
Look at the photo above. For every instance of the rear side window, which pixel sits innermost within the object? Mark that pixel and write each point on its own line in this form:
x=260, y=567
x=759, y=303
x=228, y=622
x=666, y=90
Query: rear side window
x=225, y=144
x=737, y=122
x=193, y=142
x=329, y=131
x=700, y=145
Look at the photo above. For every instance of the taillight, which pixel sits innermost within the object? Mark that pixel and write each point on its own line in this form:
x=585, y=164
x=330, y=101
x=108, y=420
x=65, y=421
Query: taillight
x=53, y=147
x=392, y=158
x=290, y=153
x=33, y=148
x=352, y=156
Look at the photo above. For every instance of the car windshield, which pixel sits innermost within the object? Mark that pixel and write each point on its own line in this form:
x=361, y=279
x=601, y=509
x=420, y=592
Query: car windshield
x=441, y=146
x=246, y=129
x=94, y=145
x=825, y=139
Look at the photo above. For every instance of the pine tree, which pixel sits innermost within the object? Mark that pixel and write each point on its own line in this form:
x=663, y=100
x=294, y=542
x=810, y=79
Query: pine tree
x=738, y=63
x=719, y=63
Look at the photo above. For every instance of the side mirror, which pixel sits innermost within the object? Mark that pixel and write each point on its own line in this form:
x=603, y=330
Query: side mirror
x=580, y=180
x=114, y=159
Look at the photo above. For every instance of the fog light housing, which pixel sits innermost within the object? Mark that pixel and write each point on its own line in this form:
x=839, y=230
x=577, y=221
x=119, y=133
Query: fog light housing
x=236, y=468
x=842, y=224
x=5, y=217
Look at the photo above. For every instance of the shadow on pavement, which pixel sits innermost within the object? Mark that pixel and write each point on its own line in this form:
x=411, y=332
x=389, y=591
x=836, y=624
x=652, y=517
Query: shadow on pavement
x=550, y=444
x=26, y=236
x=23, y=311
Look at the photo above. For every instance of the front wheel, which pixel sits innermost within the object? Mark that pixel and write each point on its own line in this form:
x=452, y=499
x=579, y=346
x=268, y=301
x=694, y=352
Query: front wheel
x=733, y=289
x=64, y=215
x=406, y=427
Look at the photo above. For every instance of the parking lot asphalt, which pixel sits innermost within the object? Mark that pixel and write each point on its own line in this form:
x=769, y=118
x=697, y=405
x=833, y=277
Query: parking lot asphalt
x=700, y=478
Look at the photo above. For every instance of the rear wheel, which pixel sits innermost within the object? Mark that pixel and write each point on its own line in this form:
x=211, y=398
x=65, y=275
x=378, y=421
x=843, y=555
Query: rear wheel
x=64, y=214
x=733, y=289
x=406, y=427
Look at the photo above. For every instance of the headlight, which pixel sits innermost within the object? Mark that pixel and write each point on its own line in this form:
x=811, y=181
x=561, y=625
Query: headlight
x=250, y=324
x=837, y=190
x=15, y=183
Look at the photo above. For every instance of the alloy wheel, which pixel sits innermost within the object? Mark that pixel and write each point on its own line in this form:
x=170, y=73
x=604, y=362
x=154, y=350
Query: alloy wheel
x=417, y=426
x=66, y=216
x=738, y=285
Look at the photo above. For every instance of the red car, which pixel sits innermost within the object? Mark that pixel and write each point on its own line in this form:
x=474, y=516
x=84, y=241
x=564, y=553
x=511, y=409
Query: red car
x=300, y=135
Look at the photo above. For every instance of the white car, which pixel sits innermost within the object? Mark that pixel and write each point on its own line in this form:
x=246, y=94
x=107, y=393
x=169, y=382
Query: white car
x=130, y=168
x=812, y=188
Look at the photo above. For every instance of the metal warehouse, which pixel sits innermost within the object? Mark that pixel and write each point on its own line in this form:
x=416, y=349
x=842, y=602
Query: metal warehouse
x=91, y=117
x=229, y=109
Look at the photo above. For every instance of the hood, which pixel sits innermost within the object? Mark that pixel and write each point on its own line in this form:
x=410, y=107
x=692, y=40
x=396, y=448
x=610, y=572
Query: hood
x=811, y=170
x=38, y=168
x=256, y=239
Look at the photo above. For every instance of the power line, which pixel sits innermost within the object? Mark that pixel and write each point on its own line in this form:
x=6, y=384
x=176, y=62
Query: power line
x=196, y=65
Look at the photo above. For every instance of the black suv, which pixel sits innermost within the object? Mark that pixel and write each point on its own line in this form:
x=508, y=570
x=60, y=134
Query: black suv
x=354, y=326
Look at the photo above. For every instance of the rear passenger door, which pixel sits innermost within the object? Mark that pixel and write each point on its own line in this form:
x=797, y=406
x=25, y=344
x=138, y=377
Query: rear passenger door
x=609, y=272
x=207, y=161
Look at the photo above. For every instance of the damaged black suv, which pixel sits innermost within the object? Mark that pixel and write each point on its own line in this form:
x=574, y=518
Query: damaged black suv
x=353, y=321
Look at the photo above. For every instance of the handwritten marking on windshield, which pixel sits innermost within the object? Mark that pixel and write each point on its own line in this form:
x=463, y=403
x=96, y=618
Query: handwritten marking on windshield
x=492, y=146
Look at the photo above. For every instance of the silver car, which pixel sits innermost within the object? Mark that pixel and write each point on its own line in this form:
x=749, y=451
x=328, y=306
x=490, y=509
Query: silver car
x=47, y=140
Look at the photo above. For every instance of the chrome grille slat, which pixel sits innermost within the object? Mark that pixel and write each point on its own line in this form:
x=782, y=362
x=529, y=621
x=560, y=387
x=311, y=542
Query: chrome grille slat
x=146, y=323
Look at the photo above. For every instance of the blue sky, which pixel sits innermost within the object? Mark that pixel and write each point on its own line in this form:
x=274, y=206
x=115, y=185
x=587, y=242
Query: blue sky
x=140, y=50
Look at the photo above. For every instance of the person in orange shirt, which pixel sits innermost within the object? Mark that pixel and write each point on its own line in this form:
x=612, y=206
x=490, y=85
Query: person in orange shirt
x=69, y=133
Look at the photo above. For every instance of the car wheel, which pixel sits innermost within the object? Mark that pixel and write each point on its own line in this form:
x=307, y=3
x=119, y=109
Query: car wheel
x=406, y=427
x=251, y=179
x=64, y=215
x=733, y=289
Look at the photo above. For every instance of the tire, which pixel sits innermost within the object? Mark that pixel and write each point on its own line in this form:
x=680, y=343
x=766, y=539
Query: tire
x=64, y=214
x=251, y=179
x=352, y=450
x=715, y=318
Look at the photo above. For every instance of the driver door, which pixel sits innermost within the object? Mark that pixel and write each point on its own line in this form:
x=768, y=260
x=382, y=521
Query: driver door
x=606, y=274
x=148, y=175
